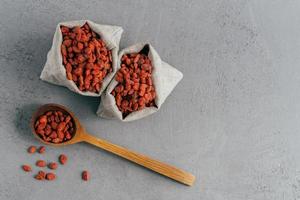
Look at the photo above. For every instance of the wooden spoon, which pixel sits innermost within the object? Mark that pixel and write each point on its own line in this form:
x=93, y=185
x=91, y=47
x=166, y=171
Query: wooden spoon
x=80, y=135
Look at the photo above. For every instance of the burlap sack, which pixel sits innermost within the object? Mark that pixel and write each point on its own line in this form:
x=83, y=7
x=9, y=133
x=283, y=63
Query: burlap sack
x=54, y=71
x=165, y=78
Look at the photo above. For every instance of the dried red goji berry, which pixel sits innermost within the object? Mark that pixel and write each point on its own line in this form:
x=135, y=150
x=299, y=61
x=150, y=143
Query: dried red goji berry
x=42, y=149
x=40, y=175
x=85, y=175
x=52, y=165
x=50, y=176
x=63, y=159
x=41, y=163
x=43, y=119
x=31, y=149
x=26, y=168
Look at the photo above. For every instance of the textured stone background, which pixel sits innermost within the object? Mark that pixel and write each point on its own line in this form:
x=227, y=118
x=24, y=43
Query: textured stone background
x=233, y=120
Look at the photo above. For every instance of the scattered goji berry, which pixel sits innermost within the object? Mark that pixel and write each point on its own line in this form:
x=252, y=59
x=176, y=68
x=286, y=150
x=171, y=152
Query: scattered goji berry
x=42, y=149
x=50, y=176
x=52, y=165
x=63, y=159
x=26, y=168
x=38, y=177
x=41, y=163
x=41, y=175
x=85, y=175
x=31, y=149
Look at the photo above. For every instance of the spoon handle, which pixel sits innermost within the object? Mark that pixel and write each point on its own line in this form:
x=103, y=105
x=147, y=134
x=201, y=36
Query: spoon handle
x=145, y=161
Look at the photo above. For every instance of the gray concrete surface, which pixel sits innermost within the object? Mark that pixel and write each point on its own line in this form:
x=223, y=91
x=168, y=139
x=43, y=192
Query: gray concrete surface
x=233, y=121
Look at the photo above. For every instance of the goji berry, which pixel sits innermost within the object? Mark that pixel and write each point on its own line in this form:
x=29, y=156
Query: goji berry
x=40, y=175
x=42, y=149
x=31, y=149
x=85, y=175
x=63, y=159
x=52, y=165
x=26, y=168
x=50, y=176
x=41, y=163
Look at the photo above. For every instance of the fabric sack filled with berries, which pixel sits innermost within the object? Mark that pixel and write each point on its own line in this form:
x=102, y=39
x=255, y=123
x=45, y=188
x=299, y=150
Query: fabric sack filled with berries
x=83, y=56
x=140, y=86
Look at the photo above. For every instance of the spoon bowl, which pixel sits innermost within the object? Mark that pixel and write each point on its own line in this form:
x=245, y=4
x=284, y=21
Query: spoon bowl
x=80, y=135
x=78, y=129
